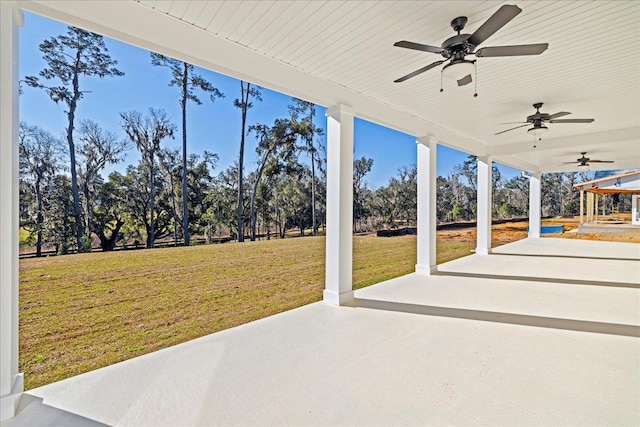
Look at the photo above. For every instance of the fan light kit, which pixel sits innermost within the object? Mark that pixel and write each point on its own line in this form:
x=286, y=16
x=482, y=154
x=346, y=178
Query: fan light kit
x=456, y=48
x=538, y=131
x=538, y=121
x=458, y=70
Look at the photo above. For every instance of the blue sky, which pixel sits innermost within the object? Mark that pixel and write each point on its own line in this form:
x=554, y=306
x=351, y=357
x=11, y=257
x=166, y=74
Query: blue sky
x=211, y=126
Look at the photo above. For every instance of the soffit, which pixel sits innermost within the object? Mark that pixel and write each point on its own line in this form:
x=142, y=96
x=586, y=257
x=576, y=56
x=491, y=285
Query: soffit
x=342, y=52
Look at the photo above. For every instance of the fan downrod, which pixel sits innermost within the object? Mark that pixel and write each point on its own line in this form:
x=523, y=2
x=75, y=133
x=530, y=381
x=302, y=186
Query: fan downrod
x=538, y=106
x=458, y=23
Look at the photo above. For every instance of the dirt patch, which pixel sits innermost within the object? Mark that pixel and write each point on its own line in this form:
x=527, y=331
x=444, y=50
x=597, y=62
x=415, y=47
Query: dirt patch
x=510, y=232
x=500, y=233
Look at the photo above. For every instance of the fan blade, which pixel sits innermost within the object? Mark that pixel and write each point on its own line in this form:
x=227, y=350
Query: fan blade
x=513, y=123
x=570, y=163
x=418, y=46
x=601, y=161
x=517, y=127
x=517, y=50
x=498, y=20
x=465, y=80
x=572, y=121
x=560, y=114
x=420, y=71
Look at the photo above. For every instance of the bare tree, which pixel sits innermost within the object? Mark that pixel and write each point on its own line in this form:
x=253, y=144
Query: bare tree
x=169, y=161
x=244, y=104
x=99, y=148
x=279, y=139
x=146, y=132
x=303, y=113
x=39, y=160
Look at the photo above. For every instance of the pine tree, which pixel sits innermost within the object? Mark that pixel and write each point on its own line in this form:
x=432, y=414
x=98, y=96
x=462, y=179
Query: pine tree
x=184, y=78
x=69, y=56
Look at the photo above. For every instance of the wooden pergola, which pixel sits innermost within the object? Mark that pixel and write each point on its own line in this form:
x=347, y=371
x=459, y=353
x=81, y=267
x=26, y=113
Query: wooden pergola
x=623, y=183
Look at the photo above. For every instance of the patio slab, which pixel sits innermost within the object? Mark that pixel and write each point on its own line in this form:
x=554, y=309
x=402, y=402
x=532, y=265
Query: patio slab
x=481, y=343
x=555, y=260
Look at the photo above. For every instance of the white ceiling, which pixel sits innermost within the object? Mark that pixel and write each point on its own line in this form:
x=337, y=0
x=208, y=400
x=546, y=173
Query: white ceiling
x=332, y=52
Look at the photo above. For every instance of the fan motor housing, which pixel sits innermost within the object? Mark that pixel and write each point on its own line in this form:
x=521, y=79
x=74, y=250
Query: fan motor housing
x=456, y=43
x=541, y=117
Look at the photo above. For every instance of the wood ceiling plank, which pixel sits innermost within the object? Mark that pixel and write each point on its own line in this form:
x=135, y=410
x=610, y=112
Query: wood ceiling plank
x=178, y=8
x=223, y=16
x=291, y=25
x=193, y=11
x=315, y=30
x=257, y=14
x=163, y=5
x=207, y=14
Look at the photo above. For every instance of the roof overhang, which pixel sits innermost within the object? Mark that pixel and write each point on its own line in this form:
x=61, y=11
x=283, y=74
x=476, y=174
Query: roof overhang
x=341, y=53
x=626, y=183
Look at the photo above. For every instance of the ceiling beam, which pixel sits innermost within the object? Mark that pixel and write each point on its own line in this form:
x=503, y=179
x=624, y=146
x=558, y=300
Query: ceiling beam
x=630, y=163
x=517, y=163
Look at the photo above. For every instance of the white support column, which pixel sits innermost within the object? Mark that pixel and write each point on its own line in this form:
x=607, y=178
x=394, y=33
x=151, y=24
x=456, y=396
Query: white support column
x=535, y=205
x=10, y=379
x=484, y=206
x=426, y=259
x=339, y=244
x=581, y=206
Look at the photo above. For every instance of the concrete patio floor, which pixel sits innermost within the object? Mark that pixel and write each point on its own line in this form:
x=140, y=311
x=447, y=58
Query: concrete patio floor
x=541, y=332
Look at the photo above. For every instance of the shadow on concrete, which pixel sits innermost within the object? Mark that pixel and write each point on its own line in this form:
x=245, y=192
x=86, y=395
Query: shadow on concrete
x=509, y=318
x=540, y=279
x=567, y=256
x=33, y=412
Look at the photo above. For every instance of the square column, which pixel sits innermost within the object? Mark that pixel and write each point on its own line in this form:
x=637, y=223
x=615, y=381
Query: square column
x=535, y=205
x=635, y=209
x=339, y=244
x=10, y=379
x=426, y=165
x=581, y=206
x=484, y=205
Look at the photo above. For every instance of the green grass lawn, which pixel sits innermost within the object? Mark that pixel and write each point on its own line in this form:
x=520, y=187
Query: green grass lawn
x=82, y=312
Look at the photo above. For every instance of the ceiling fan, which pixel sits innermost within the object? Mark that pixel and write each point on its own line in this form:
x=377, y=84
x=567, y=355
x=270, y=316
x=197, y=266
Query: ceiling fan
x=456, y=48
x=584, y=161
x=538, y=120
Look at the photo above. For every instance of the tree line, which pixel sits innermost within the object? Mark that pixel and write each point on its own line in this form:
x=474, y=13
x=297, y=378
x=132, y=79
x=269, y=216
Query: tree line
x=171, y=195
x=168, y=192
x=395, y=204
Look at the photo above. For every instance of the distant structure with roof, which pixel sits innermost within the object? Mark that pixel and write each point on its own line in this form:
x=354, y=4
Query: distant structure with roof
x=618, y=182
